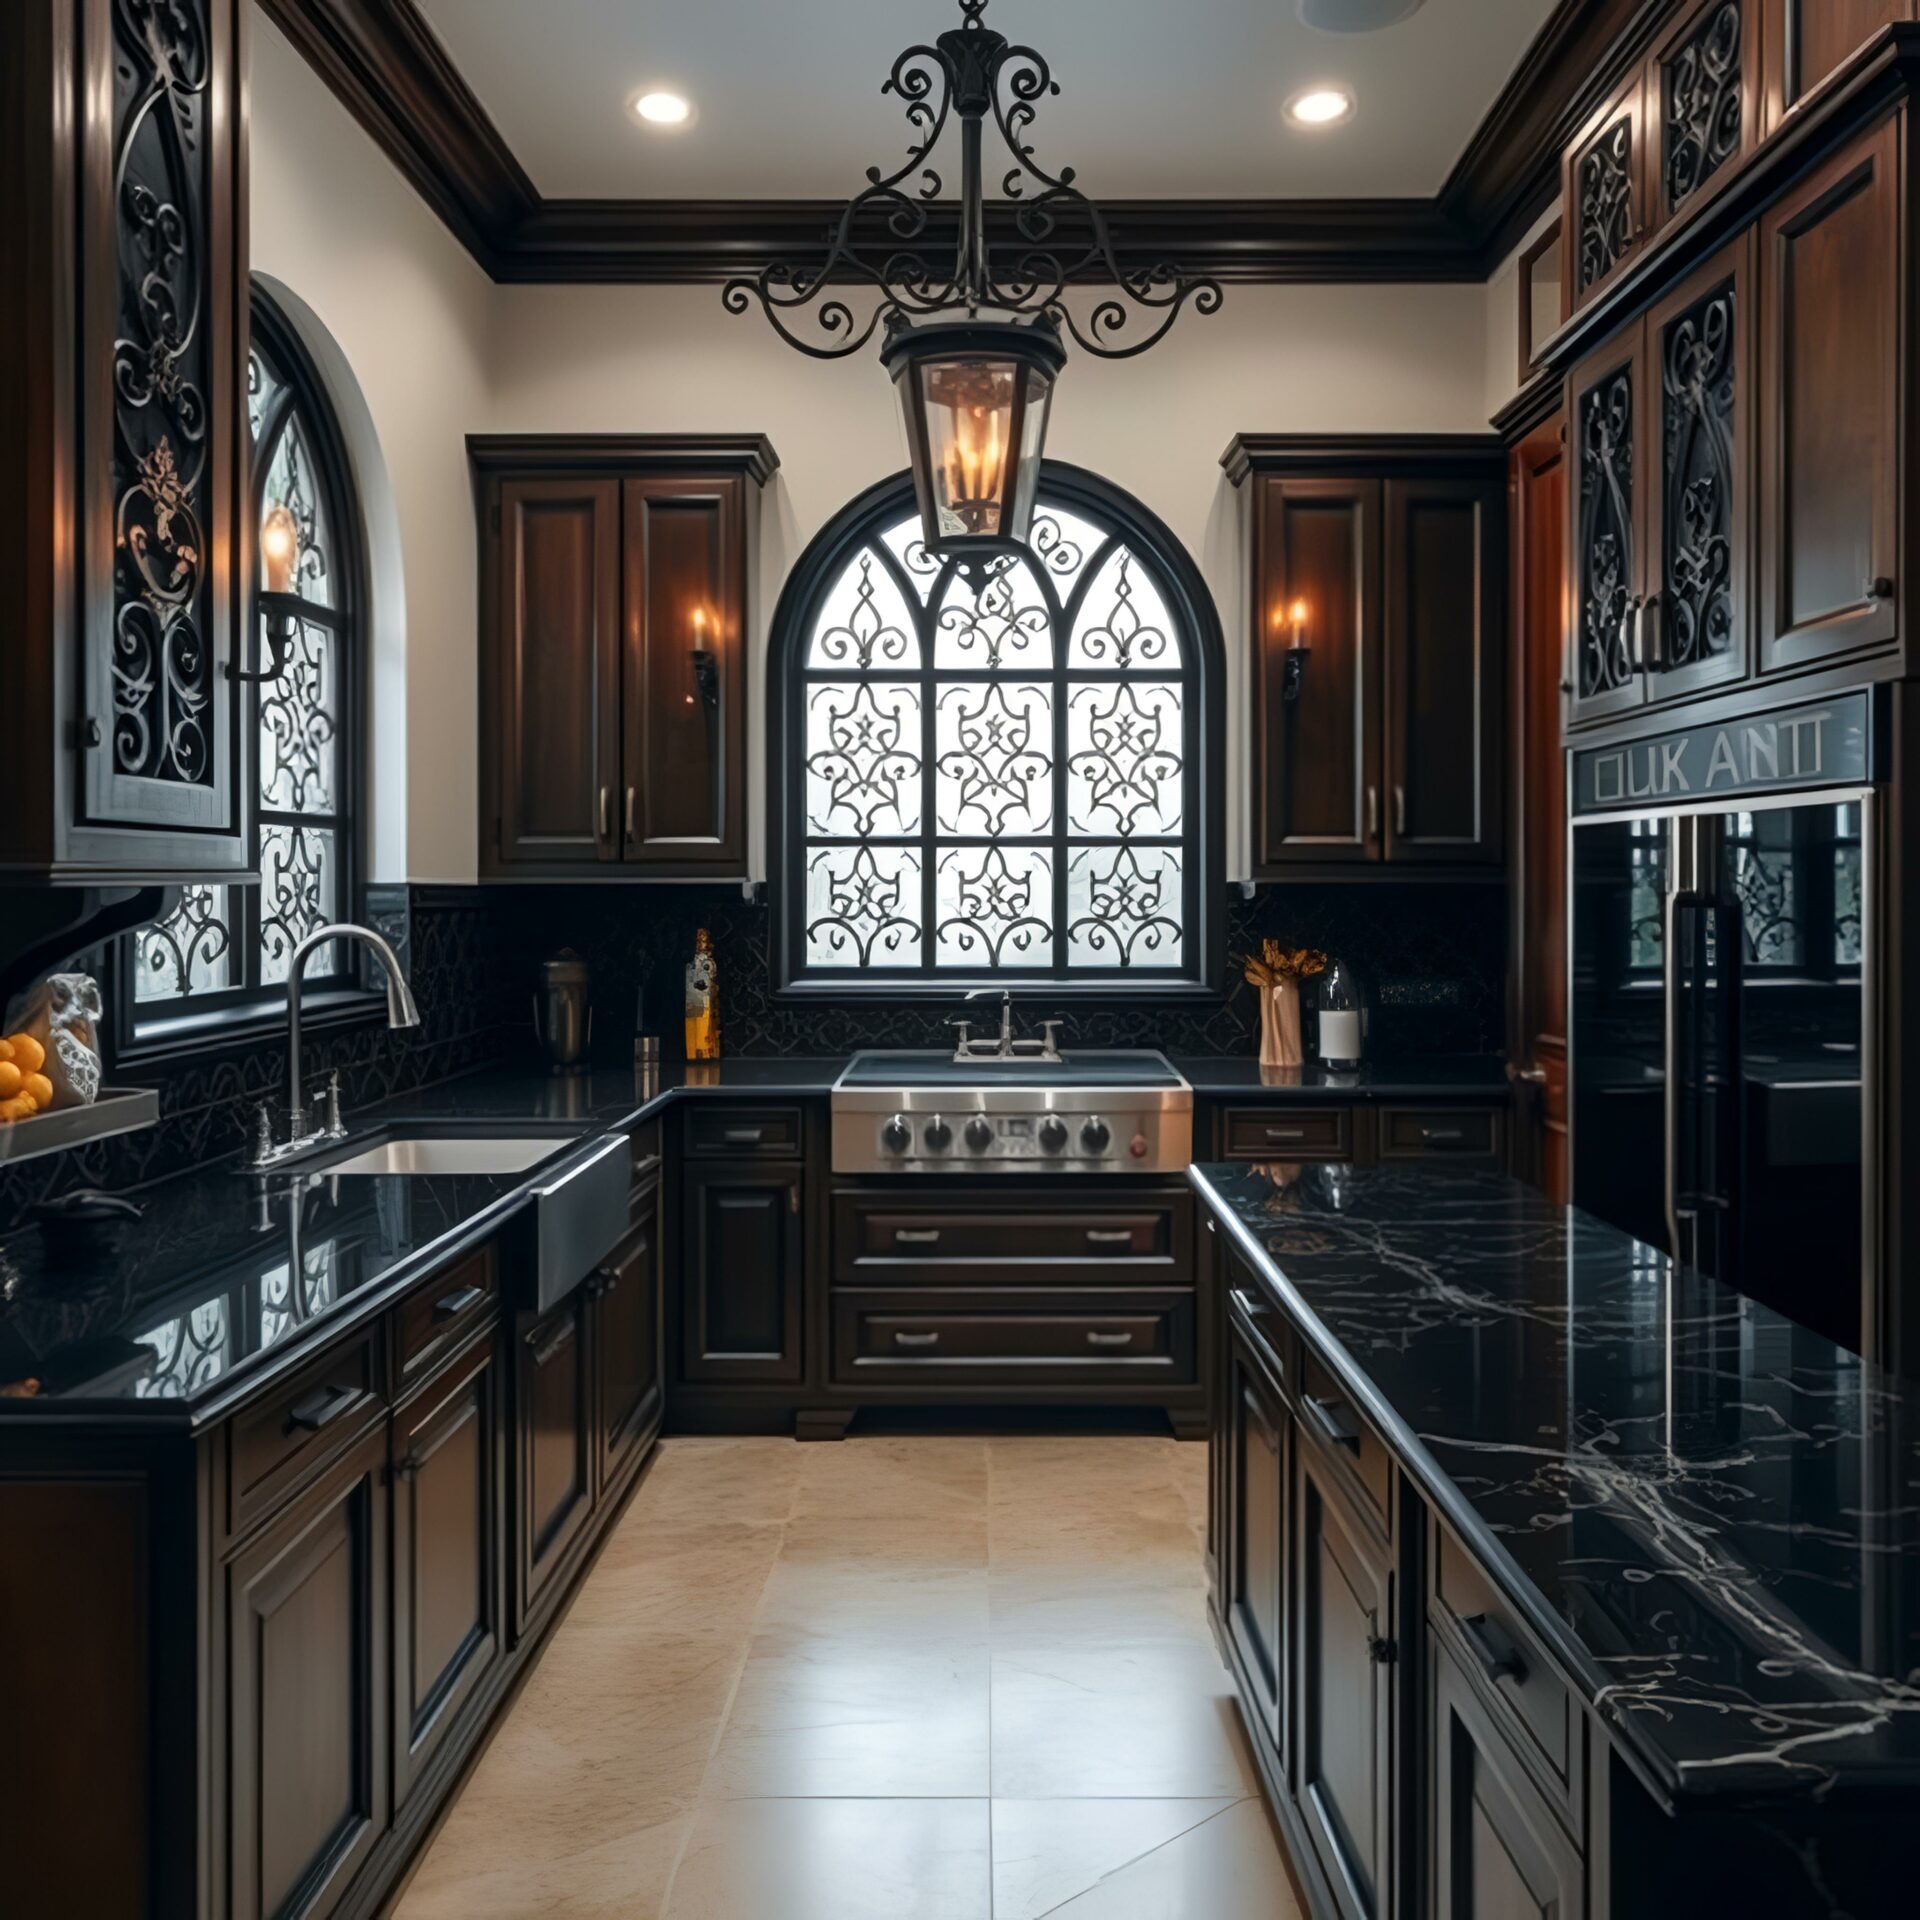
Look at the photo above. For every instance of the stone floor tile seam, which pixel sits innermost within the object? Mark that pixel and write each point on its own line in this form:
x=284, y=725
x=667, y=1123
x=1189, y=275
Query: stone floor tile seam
x=1126, y=1866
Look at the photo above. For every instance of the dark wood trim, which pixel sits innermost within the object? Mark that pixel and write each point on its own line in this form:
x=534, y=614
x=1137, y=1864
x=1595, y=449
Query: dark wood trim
x=750, y=454
x=1538, y=401
x=1543, y=243
x=384, y=62
x=1367, y=453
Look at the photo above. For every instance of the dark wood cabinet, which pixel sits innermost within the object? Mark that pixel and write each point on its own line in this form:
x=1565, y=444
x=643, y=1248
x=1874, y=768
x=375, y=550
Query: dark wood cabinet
x=1831, y=266
x=630, y=1390
x=307, y=1701
x=1498, y=1852
x=124, y=538
x=1605, y=192
x=1606, y=412
x=1343, y=1688
x=613, y=696
x=1703, y=103
x=1256, y=1423
x=744, y=1272
x=449, y=1585
x=1806, y=40
x=554, y=1446
x=1377, y=740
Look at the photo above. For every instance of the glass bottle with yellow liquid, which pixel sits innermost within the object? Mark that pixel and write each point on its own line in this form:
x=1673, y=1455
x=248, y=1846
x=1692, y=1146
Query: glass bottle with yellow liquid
x=703, y=1000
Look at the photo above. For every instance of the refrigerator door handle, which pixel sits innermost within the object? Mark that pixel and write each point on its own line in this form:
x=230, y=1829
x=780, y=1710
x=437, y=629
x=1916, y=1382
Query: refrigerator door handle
x=1677, y=903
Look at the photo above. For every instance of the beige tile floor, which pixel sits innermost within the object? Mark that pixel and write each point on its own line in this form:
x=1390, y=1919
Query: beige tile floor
x=896, y=1678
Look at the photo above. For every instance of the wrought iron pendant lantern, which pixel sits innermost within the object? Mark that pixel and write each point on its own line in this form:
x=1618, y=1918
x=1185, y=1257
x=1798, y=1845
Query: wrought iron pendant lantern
x=974, y=352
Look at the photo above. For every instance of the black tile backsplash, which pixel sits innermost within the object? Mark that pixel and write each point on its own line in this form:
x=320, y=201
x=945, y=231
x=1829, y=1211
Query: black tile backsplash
x=1434, y=956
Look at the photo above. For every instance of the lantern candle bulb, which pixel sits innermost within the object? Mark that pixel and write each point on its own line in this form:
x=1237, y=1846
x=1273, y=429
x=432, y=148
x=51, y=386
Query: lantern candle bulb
x=279, y=547
x=1298, y=651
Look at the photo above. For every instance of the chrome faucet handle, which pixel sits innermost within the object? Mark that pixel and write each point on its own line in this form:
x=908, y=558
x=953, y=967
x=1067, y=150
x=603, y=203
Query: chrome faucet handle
x=261, y=1116
x=331, y=1125
x=1050, y=1036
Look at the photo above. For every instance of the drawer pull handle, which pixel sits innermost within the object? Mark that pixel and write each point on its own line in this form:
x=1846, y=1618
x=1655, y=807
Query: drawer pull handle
x=1499, y=1658
x=407, y=1467
x=1336, y=1424
x=916, y=1236
x=547, y=1345
x=1109, y=1236
x=321, y=1408
x=1286, y=1133
x=744, y=1136
x=456, y=1304
x=1095, y=1338
x=1443, y=1136
x=916, y=1339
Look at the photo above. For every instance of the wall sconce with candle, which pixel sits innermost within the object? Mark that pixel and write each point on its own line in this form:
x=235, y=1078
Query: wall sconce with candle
x=706, y=664
x=279, y=567
x=1298, y=651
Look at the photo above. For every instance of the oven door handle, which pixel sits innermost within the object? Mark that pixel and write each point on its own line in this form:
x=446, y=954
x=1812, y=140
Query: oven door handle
x=1677, y=903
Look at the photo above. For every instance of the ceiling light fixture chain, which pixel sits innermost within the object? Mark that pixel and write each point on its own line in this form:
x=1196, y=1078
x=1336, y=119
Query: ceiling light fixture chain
x=971, y=73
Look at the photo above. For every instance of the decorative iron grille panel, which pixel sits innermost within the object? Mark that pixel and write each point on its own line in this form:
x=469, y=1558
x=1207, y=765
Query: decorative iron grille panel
x=1603, y=181
x=1702, y=104
x=1606, y=535
x=994, y=764
x=1697, y=390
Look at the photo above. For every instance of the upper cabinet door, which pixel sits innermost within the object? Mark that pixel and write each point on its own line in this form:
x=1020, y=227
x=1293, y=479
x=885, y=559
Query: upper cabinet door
x=1699, y=472
x=552, y=768
x=1443, y=659
x=683, y=802
x=1605, y=194
x=1317, y=754
x=1830, y=275
x=1704, y=85
x=1808, y=39
x=1605, y=409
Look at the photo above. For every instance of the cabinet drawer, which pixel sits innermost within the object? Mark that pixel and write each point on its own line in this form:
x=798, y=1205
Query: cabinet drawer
x=1439, y=1133
x=646, y=1152
x=277, y=1446
x=1288, y=1133
x=1336, y=1424
x=737, y=1131
x=1525, y=1693
x=1038, y=1339
x=435, y=1318
x=888, y=1242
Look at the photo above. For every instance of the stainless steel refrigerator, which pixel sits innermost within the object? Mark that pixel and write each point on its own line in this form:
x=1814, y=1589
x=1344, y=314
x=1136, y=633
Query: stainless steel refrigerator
x=1723, y=994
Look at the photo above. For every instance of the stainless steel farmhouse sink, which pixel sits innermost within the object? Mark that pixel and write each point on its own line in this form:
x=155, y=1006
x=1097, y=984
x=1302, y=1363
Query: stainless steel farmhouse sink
x=449, y=1153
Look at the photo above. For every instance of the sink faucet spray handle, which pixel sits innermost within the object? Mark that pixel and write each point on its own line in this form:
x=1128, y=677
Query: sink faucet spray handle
x=331, y=1123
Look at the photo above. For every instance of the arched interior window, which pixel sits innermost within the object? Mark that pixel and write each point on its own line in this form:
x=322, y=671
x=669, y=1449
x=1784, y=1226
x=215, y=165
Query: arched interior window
x=227, y=949
x=1000, y=774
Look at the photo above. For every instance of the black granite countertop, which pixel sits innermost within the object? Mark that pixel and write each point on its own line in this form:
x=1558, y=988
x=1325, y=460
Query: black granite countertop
x=1711, y=1514
x=1461, y=1076
x=227, y=1279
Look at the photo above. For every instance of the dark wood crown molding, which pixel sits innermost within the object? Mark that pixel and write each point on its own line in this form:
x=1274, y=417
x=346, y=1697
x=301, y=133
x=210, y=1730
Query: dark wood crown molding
x=1353, y=453
x=750, y=454
x=385, y=63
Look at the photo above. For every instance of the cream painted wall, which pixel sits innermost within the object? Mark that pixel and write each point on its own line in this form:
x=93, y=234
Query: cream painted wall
x=1503, y=320
x=407, y=312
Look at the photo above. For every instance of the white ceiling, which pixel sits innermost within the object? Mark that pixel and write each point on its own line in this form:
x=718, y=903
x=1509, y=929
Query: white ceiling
x=1159, y=98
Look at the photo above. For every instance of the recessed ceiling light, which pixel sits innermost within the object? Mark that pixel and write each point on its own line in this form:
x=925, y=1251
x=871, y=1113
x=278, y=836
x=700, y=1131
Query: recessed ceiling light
x=1356, y=16
x=663, y=109
x=1320, y=106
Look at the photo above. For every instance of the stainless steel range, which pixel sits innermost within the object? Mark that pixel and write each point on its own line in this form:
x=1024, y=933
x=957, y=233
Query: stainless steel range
x=982, y=1111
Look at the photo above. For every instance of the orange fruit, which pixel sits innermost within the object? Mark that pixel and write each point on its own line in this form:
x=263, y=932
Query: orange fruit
x=40, y=1087
x=6, y=1050
x=29, y=1055
x=11, y=1079
x=20, y=1107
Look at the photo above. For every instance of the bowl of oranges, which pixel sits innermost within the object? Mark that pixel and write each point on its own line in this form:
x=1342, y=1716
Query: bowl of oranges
x=24, y=1089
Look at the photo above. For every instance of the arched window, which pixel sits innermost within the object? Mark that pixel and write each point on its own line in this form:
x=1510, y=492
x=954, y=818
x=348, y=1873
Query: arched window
x=226, y=949
x=998, y=775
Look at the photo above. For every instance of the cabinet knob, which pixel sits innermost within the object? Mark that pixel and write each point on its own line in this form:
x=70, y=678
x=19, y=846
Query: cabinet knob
x=1879, y=588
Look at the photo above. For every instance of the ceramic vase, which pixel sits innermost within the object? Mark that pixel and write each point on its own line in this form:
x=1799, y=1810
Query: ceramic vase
x=1280, y=1025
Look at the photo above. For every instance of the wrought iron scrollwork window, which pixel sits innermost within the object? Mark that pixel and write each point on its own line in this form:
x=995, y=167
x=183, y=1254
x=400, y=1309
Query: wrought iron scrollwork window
x=224, y=947
x=993, y=771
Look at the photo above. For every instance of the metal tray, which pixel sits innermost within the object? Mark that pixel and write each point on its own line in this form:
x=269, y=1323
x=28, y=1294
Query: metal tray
x=117, y=1110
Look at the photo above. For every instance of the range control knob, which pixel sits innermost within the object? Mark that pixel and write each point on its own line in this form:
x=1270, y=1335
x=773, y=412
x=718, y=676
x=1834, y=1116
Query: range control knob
x=938, y=1136
x=1053, y=1134
x=897, y=1135
x=979, y=1134
x=1096, y=1136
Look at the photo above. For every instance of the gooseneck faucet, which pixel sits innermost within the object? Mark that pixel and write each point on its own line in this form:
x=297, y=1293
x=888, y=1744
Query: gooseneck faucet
x=402, y=1011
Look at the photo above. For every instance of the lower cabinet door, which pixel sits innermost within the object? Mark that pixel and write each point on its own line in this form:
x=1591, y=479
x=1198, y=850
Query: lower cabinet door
x=553, y=1445
x=1255, y=1567
x=626, y=1344
x=448, y=1583
x=1343, y=1692
x=1498, y=1851
x=745, y=1268
x=307, y=1697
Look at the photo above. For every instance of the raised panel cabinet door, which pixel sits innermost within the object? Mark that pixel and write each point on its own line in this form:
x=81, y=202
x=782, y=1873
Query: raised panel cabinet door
x=1498, y=1851
x=1605, y=195
x=1256, y=1560
x=626, y=1344
x=1830, y=275
x=550, y=779
x=1316, y=760
x=1343, y=1692
x=1700, y=480
x=1808, y=39
x=448, y=1569
x=307, y=1698
x=683, y=802
x=1705, y=82
x=1444, y=595
x=1606, y=406
x=744, y=1275
x=553, y=1441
